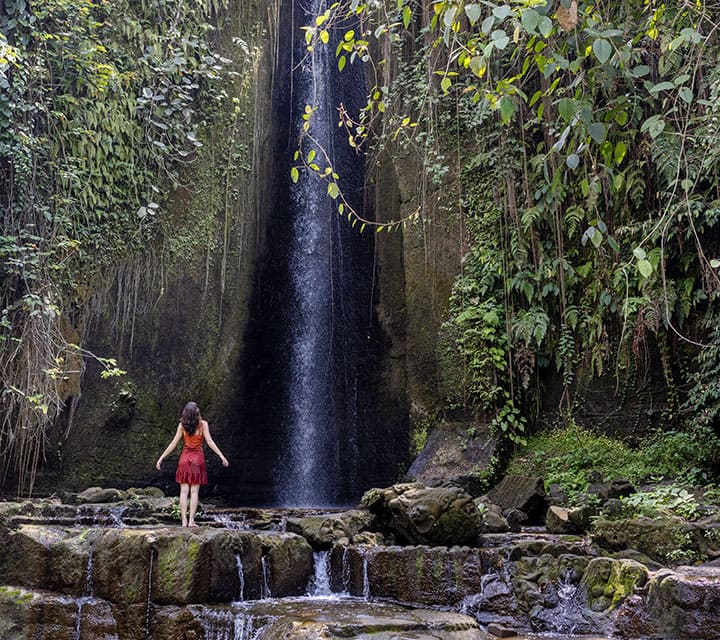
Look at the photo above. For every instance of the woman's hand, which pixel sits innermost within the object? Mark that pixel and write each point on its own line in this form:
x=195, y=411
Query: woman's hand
x=224, y=461
x=158, y=464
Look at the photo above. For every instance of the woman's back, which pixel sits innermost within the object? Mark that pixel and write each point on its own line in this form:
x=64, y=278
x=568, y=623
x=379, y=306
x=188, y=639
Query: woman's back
x=193, y=441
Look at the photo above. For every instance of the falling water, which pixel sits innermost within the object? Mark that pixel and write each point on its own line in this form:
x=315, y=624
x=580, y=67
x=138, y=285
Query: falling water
x=148, y=609
x=366, y=578
x=241, y=577
x=265, y=584
x=320, y=583
x=89, y=588
x=320, y=390
x=346, y=570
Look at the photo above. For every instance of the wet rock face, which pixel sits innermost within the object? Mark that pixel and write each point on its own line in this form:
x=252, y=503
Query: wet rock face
x=416, y=574
x=169, y=566
x=425, y=515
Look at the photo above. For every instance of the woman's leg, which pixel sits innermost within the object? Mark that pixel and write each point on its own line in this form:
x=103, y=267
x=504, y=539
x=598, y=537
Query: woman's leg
x=184, y=488
x=194, y=493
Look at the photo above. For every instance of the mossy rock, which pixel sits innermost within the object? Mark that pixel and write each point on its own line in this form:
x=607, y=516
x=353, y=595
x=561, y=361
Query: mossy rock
x=665, y=540
x=607, y=582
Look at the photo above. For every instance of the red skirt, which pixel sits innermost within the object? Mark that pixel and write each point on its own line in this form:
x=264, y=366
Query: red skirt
x=191, y=467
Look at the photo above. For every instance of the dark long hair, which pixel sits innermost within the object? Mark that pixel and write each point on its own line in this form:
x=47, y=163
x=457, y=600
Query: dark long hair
x=190, y=417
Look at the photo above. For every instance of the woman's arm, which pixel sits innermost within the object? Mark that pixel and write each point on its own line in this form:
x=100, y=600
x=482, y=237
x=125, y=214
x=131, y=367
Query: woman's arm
x=170, y=447
x=212, y=445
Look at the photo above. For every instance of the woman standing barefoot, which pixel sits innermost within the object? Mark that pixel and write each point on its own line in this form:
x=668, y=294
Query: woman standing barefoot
x=191, y=472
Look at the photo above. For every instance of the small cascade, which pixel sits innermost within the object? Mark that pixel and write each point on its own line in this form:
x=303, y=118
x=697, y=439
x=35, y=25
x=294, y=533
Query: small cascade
x=115, y=516
x=366, y=578
x=78, y=621
x=88, y=591
x=241, y=577
x=569, y=612
x=320, y=582
x=148, y=610
x=227, y=521
x=265, y=584
x=87, y=596
x=346, y=570
x=230, y=625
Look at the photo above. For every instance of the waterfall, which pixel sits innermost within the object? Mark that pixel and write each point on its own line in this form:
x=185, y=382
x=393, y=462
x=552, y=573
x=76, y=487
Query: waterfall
x=320, y=417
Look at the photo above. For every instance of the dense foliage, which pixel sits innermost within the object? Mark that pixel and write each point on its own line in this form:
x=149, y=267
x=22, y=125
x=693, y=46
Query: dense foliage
x=578, y=143
x=573, y=457
x=99, y=113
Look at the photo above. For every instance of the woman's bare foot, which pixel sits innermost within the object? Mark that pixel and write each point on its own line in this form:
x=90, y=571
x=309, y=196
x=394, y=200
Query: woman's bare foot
x=192, y=524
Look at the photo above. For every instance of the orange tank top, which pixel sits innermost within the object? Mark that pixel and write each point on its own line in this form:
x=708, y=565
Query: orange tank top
x=193, y=441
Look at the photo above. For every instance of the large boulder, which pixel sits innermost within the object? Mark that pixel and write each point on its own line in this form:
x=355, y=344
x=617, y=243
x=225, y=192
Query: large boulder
x=683, y=604
x=324, y=530
x=425, y=515
x=469, y=466
x=524, y=493
x=662, y=539
x=686, y=603
x=98, y=495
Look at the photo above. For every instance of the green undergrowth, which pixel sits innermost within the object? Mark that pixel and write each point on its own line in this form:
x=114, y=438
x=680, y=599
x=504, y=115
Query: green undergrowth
x=572, y=456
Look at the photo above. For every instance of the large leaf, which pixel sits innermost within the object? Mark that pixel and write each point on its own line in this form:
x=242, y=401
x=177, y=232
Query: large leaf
x=602, y=50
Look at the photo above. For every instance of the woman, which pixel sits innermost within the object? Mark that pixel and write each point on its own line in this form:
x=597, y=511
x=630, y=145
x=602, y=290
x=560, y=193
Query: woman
x=191, y=471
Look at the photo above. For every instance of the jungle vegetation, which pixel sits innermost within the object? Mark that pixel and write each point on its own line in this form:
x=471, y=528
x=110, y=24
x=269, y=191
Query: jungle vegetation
x=577, y=143
x=101, y=107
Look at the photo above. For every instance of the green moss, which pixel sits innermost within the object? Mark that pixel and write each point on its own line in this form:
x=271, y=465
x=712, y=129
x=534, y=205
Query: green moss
x=15, y=594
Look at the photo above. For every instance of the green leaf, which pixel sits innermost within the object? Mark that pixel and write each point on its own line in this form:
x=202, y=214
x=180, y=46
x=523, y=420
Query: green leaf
x=620, y=151
x=715, y=263
x=573, y=161
x=500, y=39
x=645, y=268
x=530, y=19
x=597, y=131
x=473, y=12
x=566, y=108
x=507, y=109
x=661, y=86
x=333, y=190
x=545, y=26
x=488, y=24
x=342, y=61
x=502, y=12
x=654, y=125
x=639, y=253
x=602, y=50
x=445, y=84
x=407, y=16
x=294, y=174
x=686, y=94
